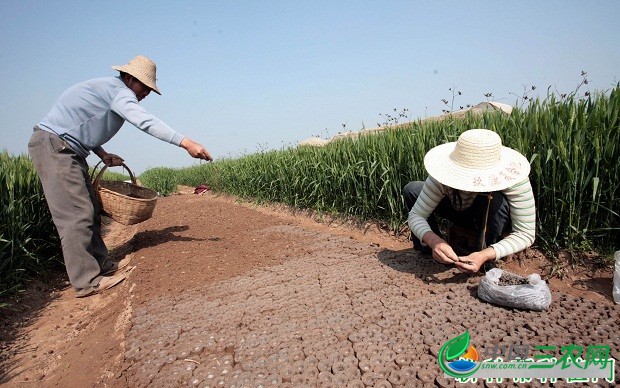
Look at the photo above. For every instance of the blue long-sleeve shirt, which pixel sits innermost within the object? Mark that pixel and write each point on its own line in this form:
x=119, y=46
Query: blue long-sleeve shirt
x=90, y=113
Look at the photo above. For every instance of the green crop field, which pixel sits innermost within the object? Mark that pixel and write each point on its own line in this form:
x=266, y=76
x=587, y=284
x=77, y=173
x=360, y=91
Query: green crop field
x=573, y=144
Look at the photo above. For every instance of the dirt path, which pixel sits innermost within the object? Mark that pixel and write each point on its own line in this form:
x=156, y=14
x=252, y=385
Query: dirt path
x=230, y=294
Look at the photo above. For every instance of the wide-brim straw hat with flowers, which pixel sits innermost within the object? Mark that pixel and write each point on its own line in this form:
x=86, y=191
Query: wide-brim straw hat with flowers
x=476, y=162
x=143, y=69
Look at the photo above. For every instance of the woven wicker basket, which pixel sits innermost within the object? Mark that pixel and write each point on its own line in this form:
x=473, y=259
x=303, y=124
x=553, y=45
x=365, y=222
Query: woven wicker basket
x=124, y=202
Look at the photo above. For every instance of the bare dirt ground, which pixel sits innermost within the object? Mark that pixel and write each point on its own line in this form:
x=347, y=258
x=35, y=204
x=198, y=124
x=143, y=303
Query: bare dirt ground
x=232, y=294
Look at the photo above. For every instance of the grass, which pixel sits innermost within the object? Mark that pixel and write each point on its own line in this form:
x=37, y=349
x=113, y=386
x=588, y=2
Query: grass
x=29, y=244
x=573, y=145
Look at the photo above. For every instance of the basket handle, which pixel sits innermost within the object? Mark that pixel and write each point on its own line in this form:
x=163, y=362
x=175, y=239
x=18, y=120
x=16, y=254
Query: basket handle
x=100, y=174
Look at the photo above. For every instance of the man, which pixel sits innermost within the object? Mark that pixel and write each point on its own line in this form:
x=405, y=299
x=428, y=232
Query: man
x=84, y=118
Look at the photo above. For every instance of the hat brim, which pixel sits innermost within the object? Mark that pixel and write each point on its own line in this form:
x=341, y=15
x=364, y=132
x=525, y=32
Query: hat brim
x=512, y=168
x=147, y=82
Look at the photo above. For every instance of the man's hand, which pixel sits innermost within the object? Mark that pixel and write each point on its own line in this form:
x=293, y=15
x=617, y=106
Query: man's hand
x=112, y=160
x=195, y=150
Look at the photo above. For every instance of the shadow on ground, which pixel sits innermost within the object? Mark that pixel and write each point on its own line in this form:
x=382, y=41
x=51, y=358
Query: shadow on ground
x=421, y=266
x=599, y=285
x=151, y=238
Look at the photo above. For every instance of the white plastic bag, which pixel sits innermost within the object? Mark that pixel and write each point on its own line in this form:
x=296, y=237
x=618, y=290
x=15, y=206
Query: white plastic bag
x=534, y=294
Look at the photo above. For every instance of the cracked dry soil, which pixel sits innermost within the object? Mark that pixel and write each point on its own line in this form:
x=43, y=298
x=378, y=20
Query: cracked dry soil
x=231, y=294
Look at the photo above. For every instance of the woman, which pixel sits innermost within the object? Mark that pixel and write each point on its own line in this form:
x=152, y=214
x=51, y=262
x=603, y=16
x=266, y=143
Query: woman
x=478, y=185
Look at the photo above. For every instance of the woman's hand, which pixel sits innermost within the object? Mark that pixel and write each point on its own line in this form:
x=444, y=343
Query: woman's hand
x=442, y=251
x=474, y=261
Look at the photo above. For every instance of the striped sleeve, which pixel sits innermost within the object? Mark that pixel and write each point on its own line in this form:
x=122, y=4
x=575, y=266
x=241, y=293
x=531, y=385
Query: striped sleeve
x=523, y=215
x=428, y=200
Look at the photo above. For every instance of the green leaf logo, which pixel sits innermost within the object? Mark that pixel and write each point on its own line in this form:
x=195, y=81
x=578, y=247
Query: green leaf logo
x=452, y=350
x=457, y=346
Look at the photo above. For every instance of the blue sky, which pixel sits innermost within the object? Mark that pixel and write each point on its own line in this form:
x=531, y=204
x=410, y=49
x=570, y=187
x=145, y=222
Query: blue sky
x=243, y=76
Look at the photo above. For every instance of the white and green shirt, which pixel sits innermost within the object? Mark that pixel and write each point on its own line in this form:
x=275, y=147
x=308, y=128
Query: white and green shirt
x=522, y=213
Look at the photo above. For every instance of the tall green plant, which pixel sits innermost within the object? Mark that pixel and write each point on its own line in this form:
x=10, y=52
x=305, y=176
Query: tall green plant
x=164, y=180
x=573, y=145
x=28, y=240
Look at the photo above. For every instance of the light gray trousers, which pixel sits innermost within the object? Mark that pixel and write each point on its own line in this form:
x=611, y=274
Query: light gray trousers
x=75, y=210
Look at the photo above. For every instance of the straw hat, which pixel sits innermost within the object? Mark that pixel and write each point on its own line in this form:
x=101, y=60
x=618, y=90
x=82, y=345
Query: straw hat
x=143, y=69
x=476, y=162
